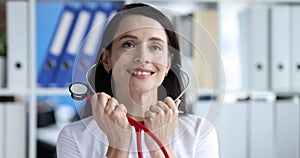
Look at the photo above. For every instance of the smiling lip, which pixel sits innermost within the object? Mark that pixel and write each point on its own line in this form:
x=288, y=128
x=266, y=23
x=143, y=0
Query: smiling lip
x=141, y=73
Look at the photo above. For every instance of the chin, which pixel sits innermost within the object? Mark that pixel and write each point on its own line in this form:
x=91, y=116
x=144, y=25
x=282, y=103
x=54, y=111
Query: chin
x=142, y=88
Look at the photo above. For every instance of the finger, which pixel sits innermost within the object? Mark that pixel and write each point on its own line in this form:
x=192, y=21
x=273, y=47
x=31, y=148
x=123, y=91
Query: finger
x=94, y=100
x=110, y=106
x=99, y=99
x=149, y=114
x=118, y=113
x=123, y=108
x=155, y=109
x=119, y=109
x=113, y=101
x=163, y=106
x=170, y=103
x=118, y=117
x=98, y=102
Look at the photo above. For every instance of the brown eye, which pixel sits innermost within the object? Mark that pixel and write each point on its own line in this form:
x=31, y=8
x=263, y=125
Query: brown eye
x=128, y=45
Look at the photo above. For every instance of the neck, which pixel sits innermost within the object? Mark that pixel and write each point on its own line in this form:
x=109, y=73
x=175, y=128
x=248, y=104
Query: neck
x=137, y=103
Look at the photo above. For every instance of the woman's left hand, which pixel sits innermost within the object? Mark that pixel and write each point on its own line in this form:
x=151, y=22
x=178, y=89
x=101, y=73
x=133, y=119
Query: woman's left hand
x=162, y=120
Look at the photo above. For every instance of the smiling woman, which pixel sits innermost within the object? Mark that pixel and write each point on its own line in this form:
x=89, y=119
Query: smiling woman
x=135, y=79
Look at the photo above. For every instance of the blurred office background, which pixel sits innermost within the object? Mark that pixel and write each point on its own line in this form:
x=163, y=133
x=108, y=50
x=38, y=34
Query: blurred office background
x=243, y=59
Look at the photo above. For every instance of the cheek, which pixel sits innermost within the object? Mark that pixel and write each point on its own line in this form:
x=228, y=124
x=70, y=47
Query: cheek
x=119, y=64
x=118, y=56
x=161, y=73
x=162, y=63
x=115, y=58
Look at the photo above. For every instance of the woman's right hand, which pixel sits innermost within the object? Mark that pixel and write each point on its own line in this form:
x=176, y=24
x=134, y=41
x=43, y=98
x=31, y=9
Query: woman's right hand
x=111, y=118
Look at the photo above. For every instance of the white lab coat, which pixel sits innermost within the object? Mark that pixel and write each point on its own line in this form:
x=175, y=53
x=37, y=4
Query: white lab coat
x=84, y=139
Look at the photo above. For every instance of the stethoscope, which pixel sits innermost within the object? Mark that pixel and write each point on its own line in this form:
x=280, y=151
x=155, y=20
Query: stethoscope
x=80, y=91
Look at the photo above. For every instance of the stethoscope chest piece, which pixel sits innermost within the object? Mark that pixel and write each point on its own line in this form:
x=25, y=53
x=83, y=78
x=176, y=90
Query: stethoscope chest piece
x=78, y=90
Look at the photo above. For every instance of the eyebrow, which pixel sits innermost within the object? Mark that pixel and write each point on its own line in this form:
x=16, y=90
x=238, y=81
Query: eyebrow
x=157, y=39
x=135, y=37
x=127, y=36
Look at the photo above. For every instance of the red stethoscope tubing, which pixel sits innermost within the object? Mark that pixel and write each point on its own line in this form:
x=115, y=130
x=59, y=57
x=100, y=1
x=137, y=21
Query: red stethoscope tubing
x=139, y=126
x=139, y=141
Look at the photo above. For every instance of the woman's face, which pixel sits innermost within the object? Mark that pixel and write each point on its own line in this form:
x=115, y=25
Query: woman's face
x=139, y=56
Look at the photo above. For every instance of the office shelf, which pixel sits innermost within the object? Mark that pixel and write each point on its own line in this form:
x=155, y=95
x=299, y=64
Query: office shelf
x=33, y=91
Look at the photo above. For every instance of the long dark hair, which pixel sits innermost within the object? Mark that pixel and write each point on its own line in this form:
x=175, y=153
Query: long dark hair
x=171, y=84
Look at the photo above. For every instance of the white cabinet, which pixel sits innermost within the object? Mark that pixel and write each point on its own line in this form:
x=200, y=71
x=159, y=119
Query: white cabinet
x=13, y=130
x=232, y=129
x=287, y=129
x=261, y=129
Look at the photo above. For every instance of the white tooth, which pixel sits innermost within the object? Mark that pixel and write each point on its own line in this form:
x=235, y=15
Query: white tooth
x=141, y=73
x=145, y=73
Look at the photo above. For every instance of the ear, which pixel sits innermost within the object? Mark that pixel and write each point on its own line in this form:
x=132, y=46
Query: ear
x=106, y=60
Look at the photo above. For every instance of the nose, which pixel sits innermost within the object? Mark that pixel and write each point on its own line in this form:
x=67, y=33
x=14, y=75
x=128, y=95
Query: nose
x=142, y=55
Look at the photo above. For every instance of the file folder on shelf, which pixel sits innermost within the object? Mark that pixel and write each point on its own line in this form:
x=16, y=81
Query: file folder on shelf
x=244, y=26
x=259, y=64
x=60, y=37
x=17, y=46
x=295, y=14
x=89, y=50
x=254, y=27
x=280, y=48
x=64, y=70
